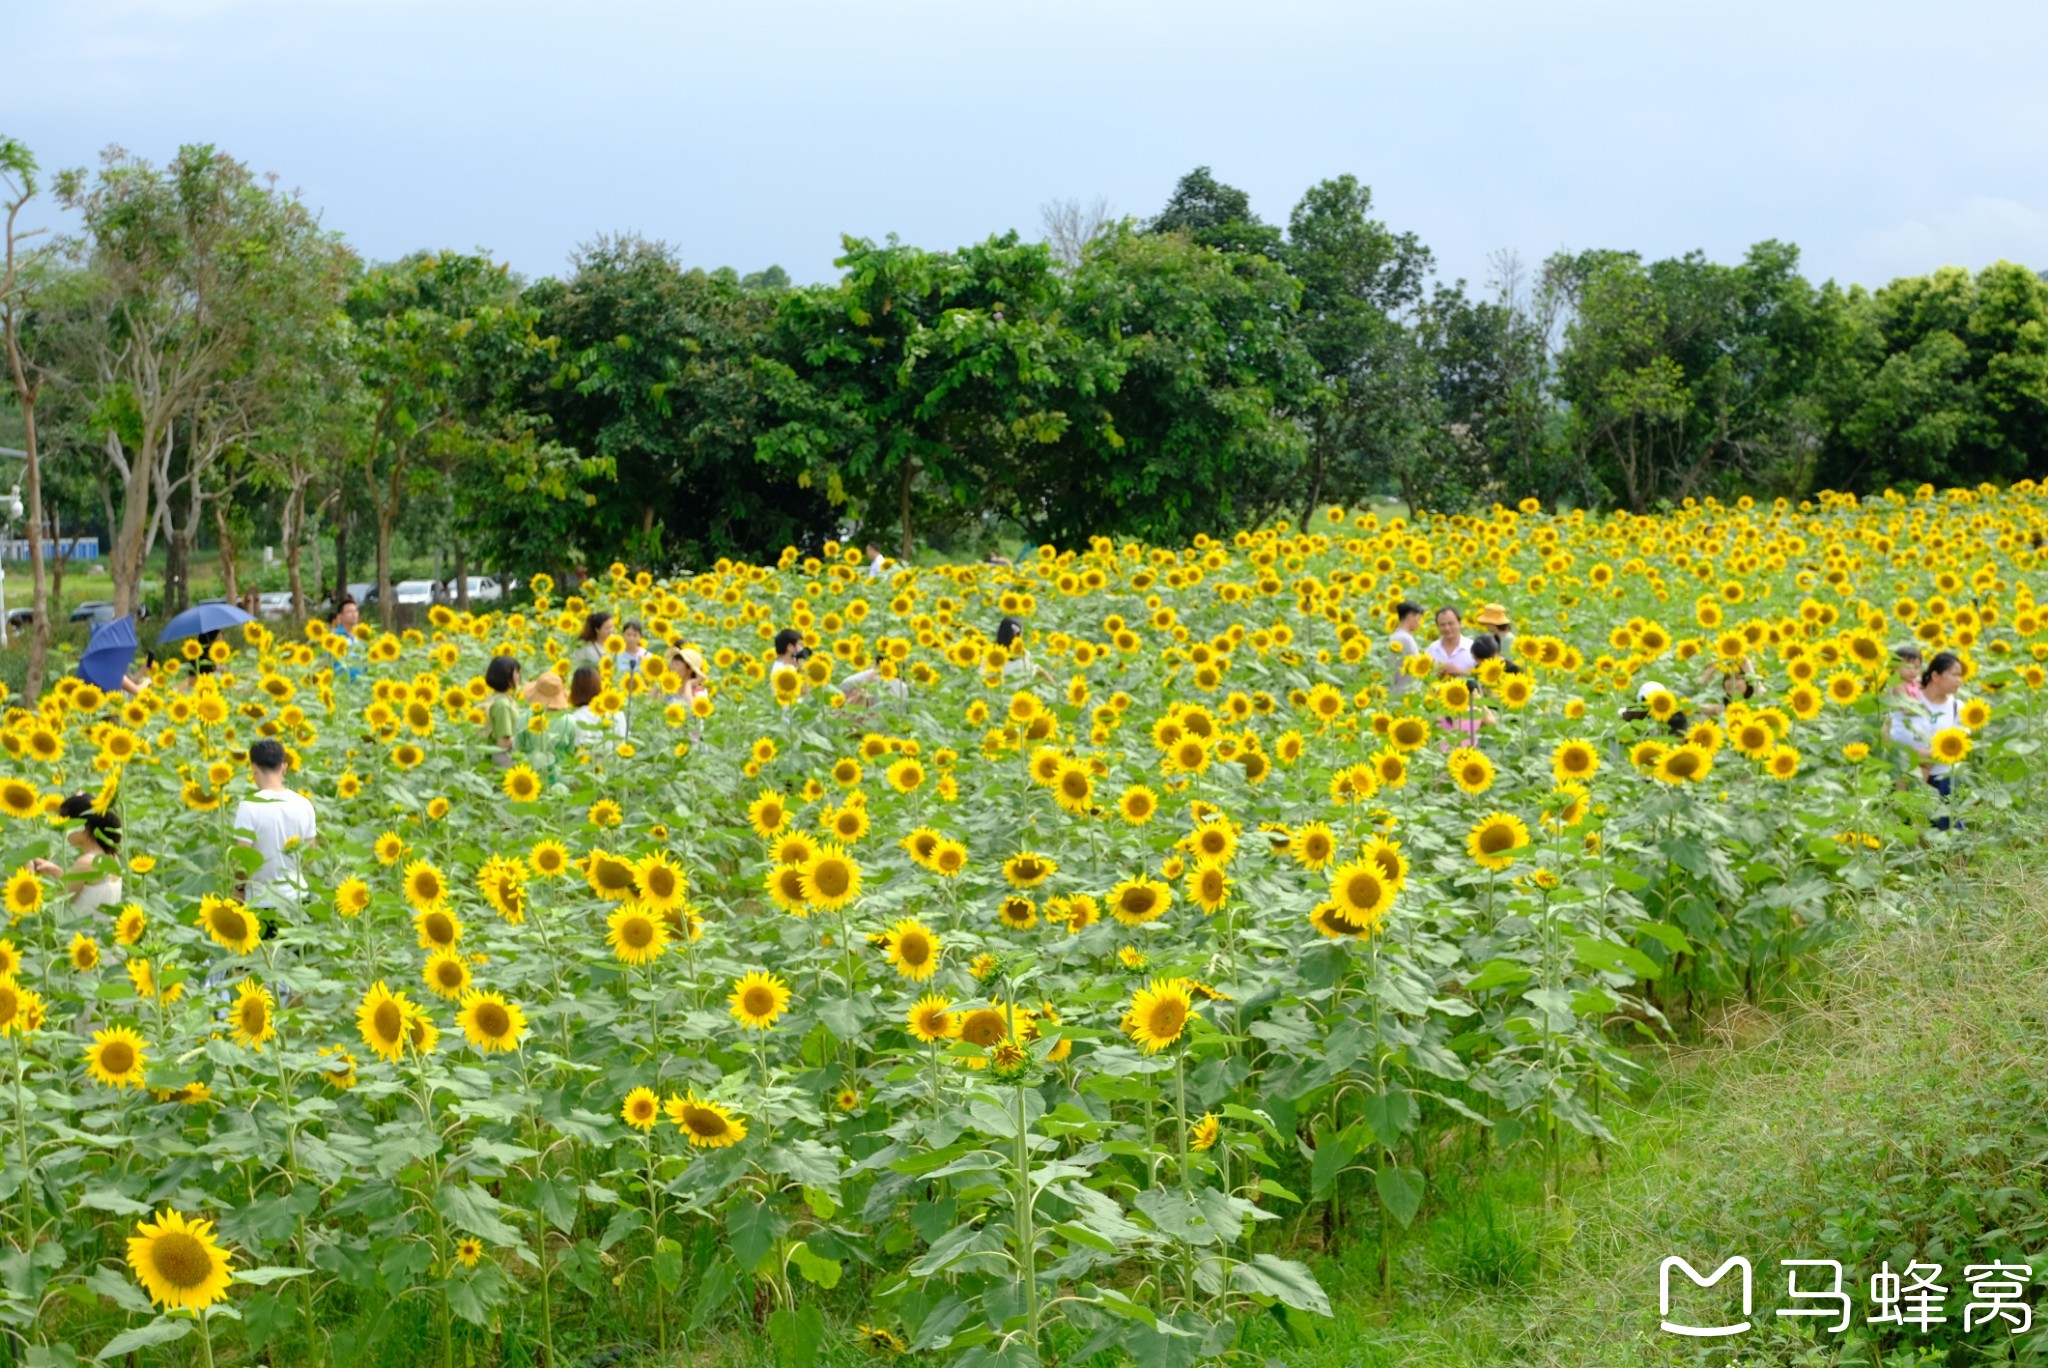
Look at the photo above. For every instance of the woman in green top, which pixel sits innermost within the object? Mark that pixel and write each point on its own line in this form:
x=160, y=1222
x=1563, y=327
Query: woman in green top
x=590, y=641
x=504, y=719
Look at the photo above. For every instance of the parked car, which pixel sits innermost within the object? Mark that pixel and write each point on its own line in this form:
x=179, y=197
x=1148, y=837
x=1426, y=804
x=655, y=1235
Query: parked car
x=482, y=589
x=417, y=593
x=364, y=592
x=20, y=619
x=95, y=611
x=275, y=604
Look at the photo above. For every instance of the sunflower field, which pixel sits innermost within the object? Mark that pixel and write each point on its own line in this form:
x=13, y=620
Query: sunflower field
x=1067, y=1001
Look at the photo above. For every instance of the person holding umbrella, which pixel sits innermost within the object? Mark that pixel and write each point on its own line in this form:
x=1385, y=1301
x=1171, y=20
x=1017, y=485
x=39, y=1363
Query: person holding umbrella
x=206, y=621
x=108, y=653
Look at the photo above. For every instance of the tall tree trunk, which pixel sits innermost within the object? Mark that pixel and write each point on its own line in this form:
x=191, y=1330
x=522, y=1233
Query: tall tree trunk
x=56, y=560
x=340, y=556
x=177, y=571
x=462, y=577
x=131, y=539
x=386, y=608
x=39, y=626
x=231, y=581
x=294, y=535
x=909, y=472
x=25, y=393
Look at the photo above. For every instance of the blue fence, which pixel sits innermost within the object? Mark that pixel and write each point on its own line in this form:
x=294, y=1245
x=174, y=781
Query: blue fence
x=72, y=548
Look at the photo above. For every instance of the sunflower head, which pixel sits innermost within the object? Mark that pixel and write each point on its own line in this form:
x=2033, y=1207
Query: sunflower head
x=178, y=1264
x=1159, y=1014
x=757, y=999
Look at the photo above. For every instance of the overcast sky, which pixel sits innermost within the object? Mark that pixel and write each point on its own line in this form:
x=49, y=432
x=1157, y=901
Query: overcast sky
x=1883, y=138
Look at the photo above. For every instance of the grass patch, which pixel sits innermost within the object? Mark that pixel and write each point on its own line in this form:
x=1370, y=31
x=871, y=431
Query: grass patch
x=1894, y=1106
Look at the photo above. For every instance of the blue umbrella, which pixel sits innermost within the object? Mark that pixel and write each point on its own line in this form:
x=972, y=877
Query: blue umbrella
x=107, y=653
x=207, y=617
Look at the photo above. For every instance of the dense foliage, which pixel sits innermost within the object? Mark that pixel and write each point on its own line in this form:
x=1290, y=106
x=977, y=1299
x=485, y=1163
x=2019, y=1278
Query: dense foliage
x=1062, y=999
x=208, y=363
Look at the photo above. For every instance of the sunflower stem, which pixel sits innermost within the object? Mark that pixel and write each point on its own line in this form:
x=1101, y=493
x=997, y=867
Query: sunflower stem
x=1027, y=1237
x=28, y=1197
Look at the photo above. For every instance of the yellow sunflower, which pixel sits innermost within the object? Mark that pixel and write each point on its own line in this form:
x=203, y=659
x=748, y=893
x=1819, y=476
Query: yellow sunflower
x=437, y=929
x=178, y=1264
x=706, y=1124
x=385, y=1021
x=1574, y=762
x=253, y=1015
x=116, y=1057
x=636, y=935
x=769, y=813
x=1950, y=745
x=1470, y=770
x=490, y=1023
x=1362, y=894
x=931, y=1019
x=913, y=950
x=521, y=784
x=1159, y=1014
x=641, y=1109
x=24, y=894
x=1495, y=838
x=663, y=886
x=757, y=999
x=831, y=879
x=446, y=974
x=425, y=888
x=351, y=897
x=232, y=926
x=549, y=859
x=1135, y=902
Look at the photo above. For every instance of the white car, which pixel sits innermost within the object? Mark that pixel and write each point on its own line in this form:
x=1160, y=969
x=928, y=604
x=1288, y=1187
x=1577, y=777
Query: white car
x=275, y=604
x=482, y=589
x=417, y=593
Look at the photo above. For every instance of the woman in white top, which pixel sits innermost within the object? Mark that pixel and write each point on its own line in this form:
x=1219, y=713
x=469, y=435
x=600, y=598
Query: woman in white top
x=96, y=838
x=1915, y=728
x=591, y=729
x=1017, y=663
x=1450, y=652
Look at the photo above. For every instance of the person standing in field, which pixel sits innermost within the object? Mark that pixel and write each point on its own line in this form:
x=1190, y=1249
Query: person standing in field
x=590, y=641
x=789, y=651
x=504, y=719
x=1494, y=618
x=97, y=839
x=1407, y=621
x=341, y=628
x=279, y=824
x=590, y=729
x=635, y=653
x=1450, y=652
x=1941, y=710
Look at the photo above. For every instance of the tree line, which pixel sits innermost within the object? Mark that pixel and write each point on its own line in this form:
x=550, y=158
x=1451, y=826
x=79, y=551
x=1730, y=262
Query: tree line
x=199, y=360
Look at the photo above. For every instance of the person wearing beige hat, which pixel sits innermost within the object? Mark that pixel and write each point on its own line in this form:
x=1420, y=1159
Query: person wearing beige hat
x=547, y=691
x=1494, y=618
x=692, y=676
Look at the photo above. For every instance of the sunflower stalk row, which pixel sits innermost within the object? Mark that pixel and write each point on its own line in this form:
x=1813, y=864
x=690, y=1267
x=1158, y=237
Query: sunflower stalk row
x=985, y=1003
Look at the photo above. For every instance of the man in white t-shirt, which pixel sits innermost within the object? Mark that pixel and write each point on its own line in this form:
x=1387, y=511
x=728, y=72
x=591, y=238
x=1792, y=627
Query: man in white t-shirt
x=1405, y=646
x=277, y=824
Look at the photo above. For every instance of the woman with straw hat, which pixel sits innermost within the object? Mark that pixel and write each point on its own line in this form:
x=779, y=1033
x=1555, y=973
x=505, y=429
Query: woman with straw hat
x=691, y=675
x=1494, y=618
x=549, y=694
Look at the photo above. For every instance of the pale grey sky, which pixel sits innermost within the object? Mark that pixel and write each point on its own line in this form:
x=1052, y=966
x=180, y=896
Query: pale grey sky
x=1884, y=138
